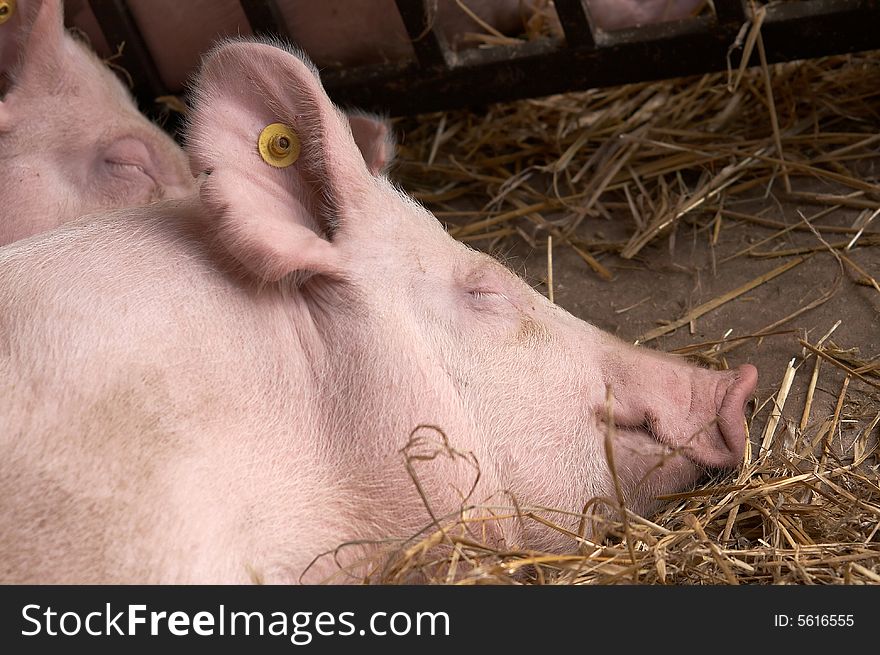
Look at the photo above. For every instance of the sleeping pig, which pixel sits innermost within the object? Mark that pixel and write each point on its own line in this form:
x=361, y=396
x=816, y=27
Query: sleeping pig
x=219, y=388
x=71, y=139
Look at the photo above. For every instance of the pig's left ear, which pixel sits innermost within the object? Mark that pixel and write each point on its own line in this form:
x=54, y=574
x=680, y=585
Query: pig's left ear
x=374, y=138
x=283, y=164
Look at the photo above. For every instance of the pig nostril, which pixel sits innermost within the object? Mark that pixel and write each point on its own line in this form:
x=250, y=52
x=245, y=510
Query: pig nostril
x=731, y=413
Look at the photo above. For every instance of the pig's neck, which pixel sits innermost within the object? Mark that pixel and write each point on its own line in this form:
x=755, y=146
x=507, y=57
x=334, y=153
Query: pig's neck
x=393, y=445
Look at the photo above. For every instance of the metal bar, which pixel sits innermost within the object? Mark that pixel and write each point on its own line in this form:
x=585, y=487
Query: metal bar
x=429, y=45
x=576, y=22
x=265, y=18
x=731, y=12
x=794, y=30
x=121, y=31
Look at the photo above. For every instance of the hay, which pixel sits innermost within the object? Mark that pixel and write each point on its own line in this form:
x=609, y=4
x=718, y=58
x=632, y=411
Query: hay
x=662, y=151
x=805, y=506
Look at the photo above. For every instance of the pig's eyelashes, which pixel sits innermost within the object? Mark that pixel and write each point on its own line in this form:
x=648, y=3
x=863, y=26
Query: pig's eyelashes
x=129, y=180
x=125, y=166
x=486, y=295
x=492, y=301
x=129, y=170
x=128, y=157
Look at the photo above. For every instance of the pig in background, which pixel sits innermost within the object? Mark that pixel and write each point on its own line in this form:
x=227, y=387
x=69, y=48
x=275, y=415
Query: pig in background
x=218, y=389
x=619, y=14
x=342, y=32
x=71, y=139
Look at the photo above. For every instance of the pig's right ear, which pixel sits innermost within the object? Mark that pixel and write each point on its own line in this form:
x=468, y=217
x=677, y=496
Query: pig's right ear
x=284, y=168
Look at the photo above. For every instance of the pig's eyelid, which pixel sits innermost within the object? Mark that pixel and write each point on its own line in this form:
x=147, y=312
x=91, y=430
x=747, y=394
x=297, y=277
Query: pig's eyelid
x=479, y=294
x=494, y=299
x=130, y=153
x=126, y=164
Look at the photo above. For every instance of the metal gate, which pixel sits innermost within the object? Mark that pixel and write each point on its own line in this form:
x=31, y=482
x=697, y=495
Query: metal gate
x=440, y=78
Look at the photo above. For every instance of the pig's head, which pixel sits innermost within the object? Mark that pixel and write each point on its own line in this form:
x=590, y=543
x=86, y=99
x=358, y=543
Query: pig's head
x=71, y=139
x=412, y=327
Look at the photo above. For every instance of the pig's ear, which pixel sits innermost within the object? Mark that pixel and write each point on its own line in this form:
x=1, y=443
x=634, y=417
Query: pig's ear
x=284, y=166
x=374, y=138
x=31, y=38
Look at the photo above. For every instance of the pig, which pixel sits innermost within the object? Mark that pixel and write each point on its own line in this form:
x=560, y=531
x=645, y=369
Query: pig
x=71, y=139
x=221, y=388
x=341, y=32
x=619, y=14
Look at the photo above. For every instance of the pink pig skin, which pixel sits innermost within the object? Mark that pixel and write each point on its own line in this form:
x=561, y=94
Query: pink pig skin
x=339, y=32
x=618, y=14
x=71, y=139
x=218, y=389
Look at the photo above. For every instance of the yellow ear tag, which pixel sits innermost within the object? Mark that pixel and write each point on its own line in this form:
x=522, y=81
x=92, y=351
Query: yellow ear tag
x=7, y=10
x=279, y=145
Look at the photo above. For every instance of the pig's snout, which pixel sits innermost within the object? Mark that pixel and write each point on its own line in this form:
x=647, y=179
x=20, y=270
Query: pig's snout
x=731, y=399
x=696, y=412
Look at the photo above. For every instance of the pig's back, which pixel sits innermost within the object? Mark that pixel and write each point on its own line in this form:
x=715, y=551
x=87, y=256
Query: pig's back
x=124, y=475
x=72, y=494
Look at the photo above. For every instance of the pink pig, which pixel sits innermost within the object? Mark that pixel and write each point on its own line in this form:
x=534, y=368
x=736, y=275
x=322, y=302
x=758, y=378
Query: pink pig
x=618, y=14
x=346, y=32
x=218, y=389
x=71, y=139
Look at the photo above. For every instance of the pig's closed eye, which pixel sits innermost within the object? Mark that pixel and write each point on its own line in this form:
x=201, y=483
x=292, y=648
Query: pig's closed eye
x=127, y=157
x=483, y=295
x=130, y=180
x=484, y=300
x=125, y=166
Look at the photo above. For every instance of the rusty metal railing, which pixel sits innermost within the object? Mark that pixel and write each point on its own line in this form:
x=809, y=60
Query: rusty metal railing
x=440, y=78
